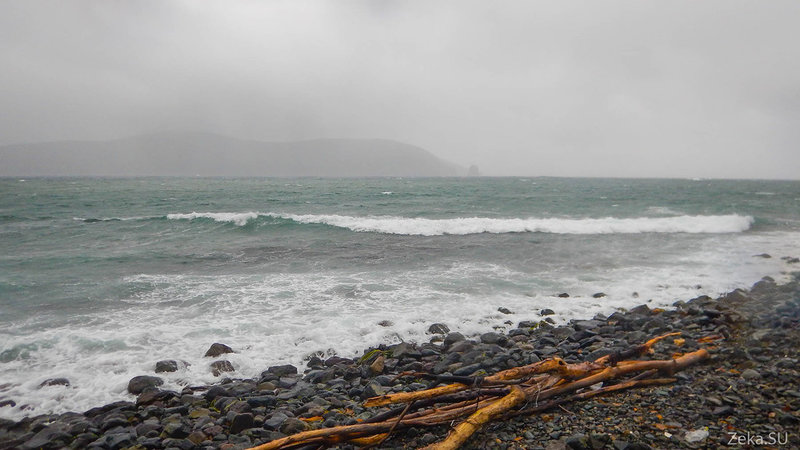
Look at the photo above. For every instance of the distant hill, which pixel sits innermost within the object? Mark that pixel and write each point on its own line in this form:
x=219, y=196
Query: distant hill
x=205, y=154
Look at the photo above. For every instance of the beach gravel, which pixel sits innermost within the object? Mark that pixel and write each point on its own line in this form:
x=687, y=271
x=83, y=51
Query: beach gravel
x=749, y=388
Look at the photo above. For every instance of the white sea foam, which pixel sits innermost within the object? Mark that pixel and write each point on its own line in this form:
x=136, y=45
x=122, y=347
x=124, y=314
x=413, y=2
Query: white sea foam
x=279, y=318
x=240, y=219
x=472, y=225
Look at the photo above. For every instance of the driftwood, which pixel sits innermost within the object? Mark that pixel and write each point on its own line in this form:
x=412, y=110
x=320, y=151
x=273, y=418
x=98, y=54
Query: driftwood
x=476, y=401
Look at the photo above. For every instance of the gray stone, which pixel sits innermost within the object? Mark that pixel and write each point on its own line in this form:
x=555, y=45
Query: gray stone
x=578, y=442
x=281, y=371
x=518, y=332
x=49, y=437
x=287, y=382
x=167, y=365
x=750, y=374
x=181, y=444
x=546, y=312
x=722, y=411
x=114, y=441
x=113, y=420
x=504, y=310
x=452, y=338
x=373, y=389
x=438, y=328
x=54, y=382
x=786, y=363
x=467, y=370
x=641, y=310
x=788, y=420
x=404, y=350
x=262, y=400
x=242, y=422
x=146, y=427
x=695, y=436
x=320, y=376
x=460, y=347
x=581, y=325
x=293, y=426
x=196, y=437
x=139, y=383
x=493, y=338
x=239, y=406
x=275, y=422
x=217, y=349
x=428, y=438
x=176, y=430
x=334, y=360
x=219, y=367
x=217, y=391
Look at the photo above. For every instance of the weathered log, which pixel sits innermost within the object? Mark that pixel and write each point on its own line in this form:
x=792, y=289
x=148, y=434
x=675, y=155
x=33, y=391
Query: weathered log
x=403, y=397
x=612, y=358
x=588, y=394
x=473, y=423
x=540, y=382
x=670, y=366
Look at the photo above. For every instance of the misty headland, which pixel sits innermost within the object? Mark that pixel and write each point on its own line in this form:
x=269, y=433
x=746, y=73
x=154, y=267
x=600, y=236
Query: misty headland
x=209, y=154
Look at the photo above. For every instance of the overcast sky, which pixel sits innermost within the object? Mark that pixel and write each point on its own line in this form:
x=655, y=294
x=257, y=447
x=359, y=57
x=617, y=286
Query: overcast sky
x=634, y=88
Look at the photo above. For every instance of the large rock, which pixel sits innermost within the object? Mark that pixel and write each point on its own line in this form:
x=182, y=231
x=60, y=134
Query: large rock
x=281, y=371
x=438, y=328
x=292, y=426
x=217, y=349
x=219, y=367
x=320, y=376
x=493, y=338
x=139, y=383
x=405, y=350
x=373, y=389
x=377, y=366
x=49, y=437
x=167, y=365
x=217, y=391
x=274, y=422
x=150, y=396
x=241, y=422
x=452, y=338
x=54, y=382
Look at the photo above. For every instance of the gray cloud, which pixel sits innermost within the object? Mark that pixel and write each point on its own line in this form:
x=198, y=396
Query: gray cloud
x=560, y=88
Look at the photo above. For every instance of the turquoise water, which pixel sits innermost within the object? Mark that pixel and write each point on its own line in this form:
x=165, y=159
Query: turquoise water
x=100, y=278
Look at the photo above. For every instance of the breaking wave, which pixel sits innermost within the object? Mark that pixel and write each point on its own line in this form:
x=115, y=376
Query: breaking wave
x=473, y=225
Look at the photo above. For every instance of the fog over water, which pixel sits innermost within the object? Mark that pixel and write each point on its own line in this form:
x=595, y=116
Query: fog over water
x=644, y=89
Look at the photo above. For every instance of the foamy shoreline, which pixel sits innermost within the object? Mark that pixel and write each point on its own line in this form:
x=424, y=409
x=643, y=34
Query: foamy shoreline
x=268, y=407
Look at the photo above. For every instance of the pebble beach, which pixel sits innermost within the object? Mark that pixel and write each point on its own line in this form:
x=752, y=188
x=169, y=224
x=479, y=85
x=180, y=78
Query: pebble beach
x=746, y=395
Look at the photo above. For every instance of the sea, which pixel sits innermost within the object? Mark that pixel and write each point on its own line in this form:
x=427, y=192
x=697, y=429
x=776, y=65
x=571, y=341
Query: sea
x=100, y=278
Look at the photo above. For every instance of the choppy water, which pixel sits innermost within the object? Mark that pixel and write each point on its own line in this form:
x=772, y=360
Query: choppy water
x=101, y=278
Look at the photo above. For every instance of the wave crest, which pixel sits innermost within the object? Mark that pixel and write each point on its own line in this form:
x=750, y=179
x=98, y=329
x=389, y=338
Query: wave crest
x=239, y=219
x=732, y=223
